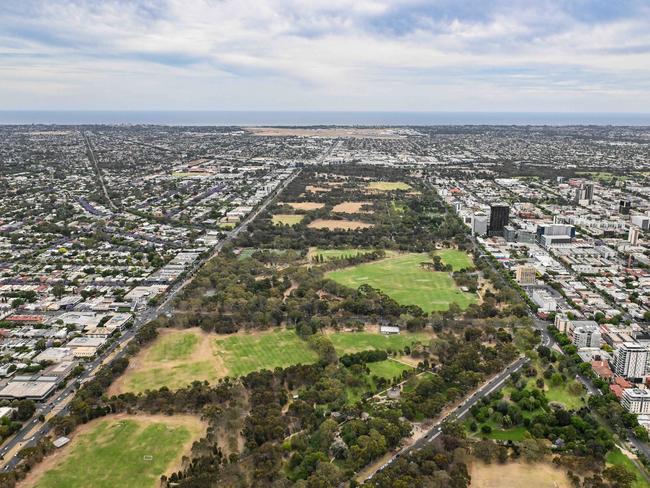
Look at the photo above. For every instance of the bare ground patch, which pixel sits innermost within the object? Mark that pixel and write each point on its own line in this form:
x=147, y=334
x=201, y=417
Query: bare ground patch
x=304, y=205
x=351, y=207
x=317, y=189
x=517, y=474
x=338, y=224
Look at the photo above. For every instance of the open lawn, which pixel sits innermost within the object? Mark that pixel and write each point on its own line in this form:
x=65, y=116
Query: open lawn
x=287, y=219
x=617, y=457
x=458, y=259
x=516, y=475
x=388, y=185
x=402, y=278
x=388, y=369
x=562, y=395
x=174, y=359
x=111, y=452
x=244, y=353
x=351, y=342
x=179, y=357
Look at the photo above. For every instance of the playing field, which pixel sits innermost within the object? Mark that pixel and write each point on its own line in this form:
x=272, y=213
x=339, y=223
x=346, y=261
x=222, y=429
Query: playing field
x=388, y=185
x=351, y=207
x=403, y=279
x=516, y=475
x=124, y=451
x=388, y=369
x=351, y=342
x=175, y=359
x=243, y=353
x=179, y=357
x=458, y=259
x=287, y=219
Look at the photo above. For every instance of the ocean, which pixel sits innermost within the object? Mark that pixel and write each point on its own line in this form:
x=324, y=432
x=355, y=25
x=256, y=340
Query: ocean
x=300, y=118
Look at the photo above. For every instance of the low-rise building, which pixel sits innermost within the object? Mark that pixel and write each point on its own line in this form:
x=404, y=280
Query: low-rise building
x=636, y=400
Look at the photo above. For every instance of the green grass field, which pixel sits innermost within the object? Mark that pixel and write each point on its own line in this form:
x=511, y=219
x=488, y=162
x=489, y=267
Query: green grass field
x=287, y=219
x=403, y=279
x=388, y=185
x=111, y=455
x=351, y=342
x=243, y=354
x=616, y=457
x=330, y=254
x=458, y=259
x=171, y=347
x=174, y=377
x=388, y=369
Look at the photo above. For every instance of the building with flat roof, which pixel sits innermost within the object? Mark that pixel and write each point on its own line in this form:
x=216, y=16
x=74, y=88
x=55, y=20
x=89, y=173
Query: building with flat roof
x=37, y=389
x=585, y=335
x=636, y=400
x=526, y=275
x=499, y=216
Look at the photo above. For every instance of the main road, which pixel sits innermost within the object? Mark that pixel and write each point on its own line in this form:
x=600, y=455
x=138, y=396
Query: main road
x=494, y=384
x=34, y=430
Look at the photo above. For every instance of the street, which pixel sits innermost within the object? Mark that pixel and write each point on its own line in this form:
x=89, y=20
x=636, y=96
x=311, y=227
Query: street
x=25, y=437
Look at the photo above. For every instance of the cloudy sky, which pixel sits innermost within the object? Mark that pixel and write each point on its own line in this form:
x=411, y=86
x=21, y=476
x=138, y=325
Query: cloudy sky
x=406, y=55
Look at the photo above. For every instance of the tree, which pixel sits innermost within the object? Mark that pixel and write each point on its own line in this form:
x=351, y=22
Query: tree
x=58, y=290
x=25, y=409
x=619, y=476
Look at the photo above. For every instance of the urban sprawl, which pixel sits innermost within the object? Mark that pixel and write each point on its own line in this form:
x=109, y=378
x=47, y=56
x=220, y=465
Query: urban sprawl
x=103, y=228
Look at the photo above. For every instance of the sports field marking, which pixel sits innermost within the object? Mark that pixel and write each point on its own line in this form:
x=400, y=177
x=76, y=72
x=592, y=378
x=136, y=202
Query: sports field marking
x=121, y=450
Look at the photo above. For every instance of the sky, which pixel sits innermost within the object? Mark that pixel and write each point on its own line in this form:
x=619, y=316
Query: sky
x=332, y=55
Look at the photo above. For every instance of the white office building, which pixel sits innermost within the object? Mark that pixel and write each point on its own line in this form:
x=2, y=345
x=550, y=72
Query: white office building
x=636, y=400
x=586, y=335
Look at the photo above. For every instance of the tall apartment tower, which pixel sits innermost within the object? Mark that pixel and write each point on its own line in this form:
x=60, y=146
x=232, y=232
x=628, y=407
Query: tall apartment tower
x=630, y=360
x=633, y=235
x=499, y=216
x=624, y=207
x=585, y=193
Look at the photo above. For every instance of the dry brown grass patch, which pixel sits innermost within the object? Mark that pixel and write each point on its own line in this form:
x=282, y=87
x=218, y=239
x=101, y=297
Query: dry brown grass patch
x=304, y=205
x=351, y=207
x=338, y=224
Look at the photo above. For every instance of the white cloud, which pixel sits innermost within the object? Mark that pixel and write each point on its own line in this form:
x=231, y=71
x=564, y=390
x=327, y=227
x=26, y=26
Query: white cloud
x=336, y=54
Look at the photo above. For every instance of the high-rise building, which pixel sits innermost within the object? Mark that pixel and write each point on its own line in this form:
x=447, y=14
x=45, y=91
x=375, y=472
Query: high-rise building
x=624, y=207
x=479, y=224
x=585, y=193
x=526, y=275
x=499, y=216
x=633, y=235
x=630, y=360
